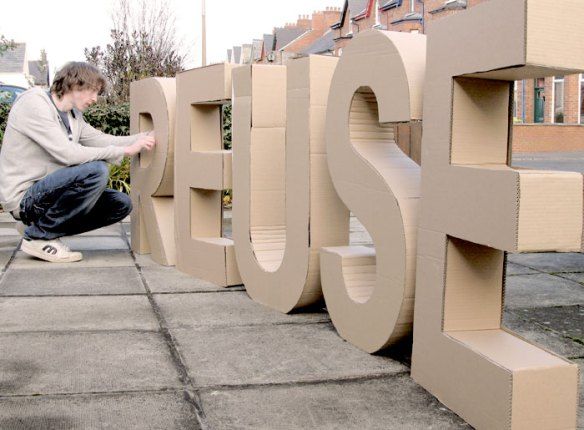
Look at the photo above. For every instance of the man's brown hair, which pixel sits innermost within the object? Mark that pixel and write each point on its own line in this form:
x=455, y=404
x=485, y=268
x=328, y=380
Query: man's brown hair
x=77, y=76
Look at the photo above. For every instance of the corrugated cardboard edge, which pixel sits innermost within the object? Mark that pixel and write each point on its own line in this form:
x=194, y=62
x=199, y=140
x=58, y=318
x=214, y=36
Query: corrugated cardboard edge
x=379, y=79
x=438, y=363
x=206, y=255
x=153, y=222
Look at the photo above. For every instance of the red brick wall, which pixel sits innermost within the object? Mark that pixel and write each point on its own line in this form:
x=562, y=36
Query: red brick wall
x=548, y=138
x=571, y=101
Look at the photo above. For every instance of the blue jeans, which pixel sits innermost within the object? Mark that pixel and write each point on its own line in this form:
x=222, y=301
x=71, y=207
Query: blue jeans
x=72, y=200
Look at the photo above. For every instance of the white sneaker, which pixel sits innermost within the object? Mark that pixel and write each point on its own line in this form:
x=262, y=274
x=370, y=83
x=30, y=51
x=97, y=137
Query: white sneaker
x=53, y=251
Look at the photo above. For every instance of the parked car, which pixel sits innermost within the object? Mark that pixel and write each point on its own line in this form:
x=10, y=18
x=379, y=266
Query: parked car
x=8, y=93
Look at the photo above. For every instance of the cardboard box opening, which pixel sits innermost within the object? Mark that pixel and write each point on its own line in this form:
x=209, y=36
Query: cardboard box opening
x=268, y=197
x=206, y=127
x=365, y=126
x=146, y=124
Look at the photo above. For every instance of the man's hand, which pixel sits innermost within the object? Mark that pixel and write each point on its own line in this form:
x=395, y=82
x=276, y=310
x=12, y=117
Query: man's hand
x=145, y=142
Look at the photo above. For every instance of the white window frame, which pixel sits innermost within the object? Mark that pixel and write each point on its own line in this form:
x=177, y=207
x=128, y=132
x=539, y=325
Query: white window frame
x=557, y=80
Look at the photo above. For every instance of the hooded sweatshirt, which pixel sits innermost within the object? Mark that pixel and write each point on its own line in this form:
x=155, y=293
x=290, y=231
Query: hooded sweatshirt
x=37, y=142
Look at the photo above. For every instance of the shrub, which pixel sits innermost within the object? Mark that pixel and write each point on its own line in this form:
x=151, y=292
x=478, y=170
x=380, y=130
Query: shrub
x=4, y=110
x=113, y=119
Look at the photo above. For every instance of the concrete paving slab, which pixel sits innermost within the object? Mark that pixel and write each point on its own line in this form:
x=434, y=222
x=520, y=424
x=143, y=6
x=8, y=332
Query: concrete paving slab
x=551, y=262
x=162, y=279
x=5, y=257
x=388, y=403
x=581, y=406
x=49, y=363
x=6, y=217
x=577, y=277
x=518, y=269
x=110, y=230
x=521, y=323
x=568, y=321
x=107, y=258
x=136, y=411
x=76, y=313
x=530, y=291
x=9, y=231
x=76, y=281
x=144, y=260
x=227, y=227
x=225, y=309
x=275, y=354
x=9, y=243
x=94, y=243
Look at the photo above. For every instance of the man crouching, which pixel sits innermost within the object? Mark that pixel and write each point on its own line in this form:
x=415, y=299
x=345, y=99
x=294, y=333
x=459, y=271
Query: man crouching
x=53, y=165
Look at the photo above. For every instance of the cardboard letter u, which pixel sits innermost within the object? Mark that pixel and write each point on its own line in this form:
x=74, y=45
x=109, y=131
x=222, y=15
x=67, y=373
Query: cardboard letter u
x=285, y=207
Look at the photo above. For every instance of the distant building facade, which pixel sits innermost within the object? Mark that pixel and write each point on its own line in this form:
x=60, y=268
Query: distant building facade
x=549, y=112
x=16, y=69
x=310, y=34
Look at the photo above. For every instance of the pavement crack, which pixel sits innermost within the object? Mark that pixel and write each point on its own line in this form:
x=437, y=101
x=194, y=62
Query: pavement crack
x=284, y=384
x=191, y=393
x=93, y=393
x=7, y=266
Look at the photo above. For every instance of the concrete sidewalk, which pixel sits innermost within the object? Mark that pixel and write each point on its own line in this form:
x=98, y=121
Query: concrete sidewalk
x=116, y=341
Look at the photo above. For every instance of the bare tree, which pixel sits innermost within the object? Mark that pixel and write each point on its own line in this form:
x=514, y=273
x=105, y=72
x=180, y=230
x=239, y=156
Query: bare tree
x=143, y=44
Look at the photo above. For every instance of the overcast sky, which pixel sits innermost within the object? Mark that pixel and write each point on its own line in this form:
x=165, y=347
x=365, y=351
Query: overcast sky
x=64, y=27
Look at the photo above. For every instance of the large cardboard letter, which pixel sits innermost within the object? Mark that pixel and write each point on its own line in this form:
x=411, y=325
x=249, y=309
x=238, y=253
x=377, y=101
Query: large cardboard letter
x=203, y=171
x=152, y=107
x=370, y=292
x=285, y=207
x=475, y=207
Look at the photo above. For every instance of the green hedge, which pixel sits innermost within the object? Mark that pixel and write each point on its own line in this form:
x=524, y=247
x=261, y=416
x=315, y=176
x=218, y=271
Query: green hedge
x=4, y=109
x=111, y=119
x=115, y=120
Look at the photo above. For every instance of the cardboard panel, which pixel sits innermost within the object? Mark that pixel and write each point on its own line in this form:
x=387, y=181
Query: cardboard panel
x=152, y=107
x=285, y=207
x=203, y=170
x=378, y=82
x=475, y=207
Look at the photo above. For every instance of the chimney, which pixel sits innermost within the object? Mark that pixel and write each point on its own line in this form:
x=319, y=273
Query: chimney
x=319, y=22
x=332, y=15
x=304, y=22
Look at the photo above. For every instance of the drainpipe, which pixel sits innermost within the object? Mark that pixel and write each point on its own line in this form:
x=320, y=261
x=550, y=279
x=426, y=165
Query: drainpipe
x=523, y=102
x=423, y=16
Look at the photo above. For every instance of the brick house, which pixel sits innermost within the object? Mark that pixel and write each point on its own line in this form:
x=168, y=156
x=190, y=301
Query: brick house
x=309, y=34
x=317, y=26
x=549, y=113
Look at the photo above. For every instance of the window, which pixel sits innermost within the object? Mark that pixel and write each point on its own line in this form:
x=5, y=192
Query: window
x=582, y=99
x=558, y=113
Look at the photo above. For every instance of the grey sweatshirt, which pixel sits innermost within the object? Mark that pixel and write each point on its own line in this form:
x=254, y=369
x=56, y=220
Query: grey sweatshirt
x=36, y=144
